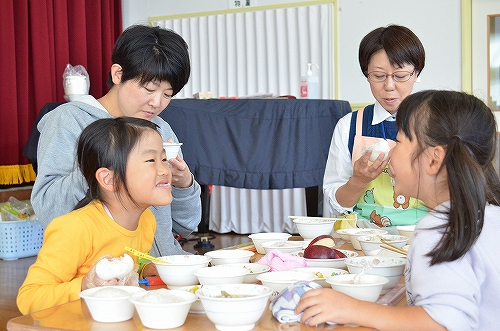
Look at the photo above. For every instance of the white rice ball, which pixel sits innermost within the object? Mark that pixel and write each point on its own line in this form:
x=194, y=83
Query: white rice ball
x=110, y=292
x=160, y=296
x=381, y=146
x=116, y=267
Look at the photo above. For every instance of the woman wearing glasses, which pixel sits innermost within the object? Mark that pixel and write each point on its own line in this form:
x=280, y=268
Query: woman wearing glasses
x=391, y=58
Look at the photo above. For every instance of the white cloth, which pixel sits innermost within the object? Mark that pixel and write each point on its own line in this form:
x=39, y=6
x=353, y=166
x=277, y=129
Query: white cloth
x=283, y=305
x=462, y=294
x=253, y=211
x=338, y=168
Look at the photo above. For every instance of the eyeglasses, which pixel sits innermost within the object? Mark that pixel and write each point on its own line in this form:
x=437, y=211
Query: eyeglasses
x=398, y=76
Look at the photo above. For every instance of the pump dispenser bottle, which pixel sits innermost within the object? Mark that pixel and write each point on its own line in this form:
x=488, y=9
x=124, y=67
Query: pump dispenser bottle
x=309, y=84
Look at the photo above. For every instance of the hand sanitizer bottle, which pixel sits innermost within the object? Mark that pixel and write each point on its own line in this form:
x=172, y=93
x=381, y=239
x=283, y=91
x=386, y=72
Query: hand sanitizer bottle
x=309, y=84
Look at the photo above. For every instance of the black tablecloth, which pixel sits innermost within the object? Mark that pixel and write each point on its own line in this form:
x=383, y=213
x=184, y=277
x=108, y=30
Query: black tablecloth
x=256, y=143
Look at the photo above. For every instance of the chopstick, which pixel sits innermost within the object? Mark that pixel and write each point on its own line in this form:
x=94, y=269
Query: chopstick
x=320, y=218
x=397, y=250
x=393, y=247
x=146, y=256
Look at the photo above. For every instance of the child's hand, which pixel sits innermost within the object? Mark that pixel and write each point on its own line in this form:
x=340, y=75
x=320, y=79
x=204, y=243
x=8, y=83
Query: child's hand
x=150, y=270
x=325, y=305
x=92, y=278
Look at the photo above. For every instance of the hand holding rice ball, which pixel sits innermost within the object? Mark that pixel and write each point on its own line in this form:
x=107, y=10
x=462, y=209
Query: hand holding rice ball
x=116, y=267
x=111, y=270
x=381, y=146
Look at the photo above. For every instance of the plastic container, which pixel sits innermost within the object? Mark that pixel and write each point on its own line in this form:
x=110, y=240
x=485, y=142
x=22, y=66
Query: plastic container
x=20, y=239
x=309, y=84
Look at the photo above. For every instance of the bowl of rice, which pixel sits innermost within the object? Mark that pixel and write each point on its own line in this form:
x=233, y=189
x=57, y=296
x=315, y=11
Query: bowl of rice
x=162, y=308
x=110, y=304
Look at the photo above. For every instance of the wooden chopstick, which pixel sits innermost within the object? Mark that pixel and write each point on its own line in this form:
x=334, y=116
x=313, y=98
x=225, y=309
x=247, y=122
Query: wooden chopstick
x=320, y=218
x=397, y=250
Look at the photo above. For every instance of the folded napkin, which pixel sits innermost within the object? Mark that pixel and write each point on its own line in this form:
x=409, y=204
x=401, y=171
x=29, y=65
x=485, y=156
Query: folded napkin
x=284, y=303
x=281, y=261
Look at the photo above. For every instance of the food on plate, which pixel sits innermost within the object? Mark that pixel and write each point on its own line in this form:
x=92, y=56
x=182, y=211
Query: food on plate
x=110, y=292
x=116, y=267
x=322, y=252
x=381, y=146
x=160, y=296
x=323, y=240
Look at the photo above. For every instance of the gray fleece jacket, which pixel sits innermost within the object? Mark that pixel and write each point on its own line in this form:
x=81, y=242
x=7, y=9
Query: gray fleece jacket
x=59, y=184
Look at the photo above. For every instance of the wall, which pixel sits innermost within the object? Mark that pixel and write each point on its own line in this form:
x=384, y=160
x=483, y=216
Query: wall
x=440, y=34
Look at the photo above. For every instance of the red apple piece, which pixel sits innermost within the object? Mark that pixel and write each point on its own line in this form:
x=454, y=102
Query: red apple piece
x=319, y=252
x=323, y=240
x=339, y=254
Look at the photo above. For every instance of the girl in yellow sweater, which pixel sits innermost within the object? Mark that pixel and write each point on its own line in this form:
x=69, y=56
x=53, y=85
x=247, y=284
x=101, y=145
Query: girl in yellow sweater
x=125, y=166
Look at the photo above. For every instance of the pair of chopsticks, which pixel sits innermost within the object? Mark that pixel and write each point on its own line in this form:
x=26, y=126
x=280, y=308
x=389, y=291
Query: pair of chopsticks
x=392, y=247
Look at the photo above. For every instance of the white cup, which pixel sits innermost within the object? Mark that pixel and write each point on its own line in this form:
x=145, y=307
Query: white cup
x=76, y=85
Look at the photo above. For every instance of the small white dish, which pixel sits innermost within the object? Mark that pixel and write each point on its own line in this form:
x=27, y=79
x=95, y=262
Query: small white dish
x=259, y=238
x=110, y=304
x=284, y=246
x=228, y=256
x=322, y=274
x=331, y=263
x=253, y=268
x=221, y=275
x=279, y=280
x=171, y=149
x=239, y=312
x=366, y=288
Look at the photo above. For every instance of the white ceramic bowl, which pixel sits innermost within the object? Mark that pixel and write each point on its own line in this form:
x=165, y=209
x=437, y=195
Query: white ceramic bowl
x=171, y=149
x=254, y=269
x=283, y=245
x=196, y=307
x=323, y=273
x=240, y=313
x=331, y=263
x=372, y=243
x=391, y=268
x=355, y=233
x=343, y=234
x=407, y=231
x=368, y=288
x=158, y=315
x=279, y=280
x=221, y=275
x=227, y=256
x=110, y=309
x=310, y=228
x=179, y=271
x=259, y=238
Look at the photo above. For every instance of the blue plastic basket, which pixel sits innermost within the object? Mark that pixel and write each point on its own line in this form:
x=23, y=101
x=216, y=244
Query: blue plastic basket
x=20, y=239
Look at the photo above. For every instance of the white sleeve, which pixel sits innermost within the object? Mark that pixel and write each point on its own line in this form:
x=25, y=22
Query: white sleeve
x=449, y=291
x=338, y=165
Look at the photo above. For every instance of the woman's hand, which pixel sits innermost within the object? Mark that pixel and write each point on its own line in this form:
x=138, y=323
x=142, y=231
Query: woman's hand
x=181, y=175
x=365, y=171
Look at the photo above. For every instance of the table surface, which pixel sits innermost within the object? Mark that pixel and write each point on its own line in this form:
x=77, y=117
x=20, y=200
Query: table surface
x=75, y=315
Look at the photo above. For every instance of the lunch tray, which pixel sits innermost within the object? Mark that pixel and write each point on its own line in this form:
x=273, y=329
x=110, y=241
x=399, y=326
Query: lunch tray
x=20, y=239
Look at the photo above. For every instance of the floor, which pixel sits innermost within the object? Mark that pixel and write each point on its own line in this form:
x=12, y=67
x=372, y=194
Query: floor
x=12, y=273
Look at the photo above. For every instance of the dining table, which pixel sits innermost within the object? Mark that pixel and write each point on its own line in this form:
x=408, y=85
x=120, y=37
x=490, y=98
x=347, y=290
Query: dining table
x=75, y=315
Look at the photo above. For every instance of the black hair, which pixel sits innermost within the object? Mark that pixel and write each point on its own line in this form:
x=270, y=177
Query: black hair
x=148, y=54
x=107, y=143
x=465, y=127
x=400, y=43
